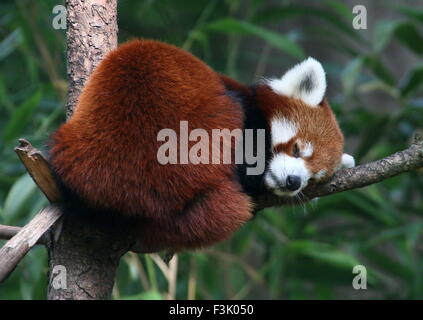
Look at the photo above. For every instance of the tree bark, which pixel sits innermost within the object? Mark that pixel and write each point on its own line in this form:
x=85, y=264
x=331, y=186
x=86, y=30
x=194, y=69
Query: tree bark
x=15, y=249
x=89, y=255
x=91, y=33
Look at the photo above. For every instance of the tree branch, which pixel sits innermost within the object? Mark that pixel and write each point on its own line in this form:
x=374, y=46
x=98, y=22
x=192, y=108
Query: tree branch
x=17, y=247
x=8, y=232
x=359, y=176
x=39, y=170
x=23, y=239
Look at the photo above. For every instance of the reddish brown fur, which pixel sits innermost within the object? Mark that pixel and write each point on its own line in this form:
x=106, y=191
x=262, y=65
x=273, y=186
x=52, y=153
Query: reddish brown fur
x=107, y=152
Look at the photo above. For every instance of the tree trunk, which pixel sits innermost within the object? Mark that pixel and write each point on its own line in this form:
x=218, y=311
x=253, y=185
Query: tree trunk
x=91, y=33
x=89, y=255
x=83, y=260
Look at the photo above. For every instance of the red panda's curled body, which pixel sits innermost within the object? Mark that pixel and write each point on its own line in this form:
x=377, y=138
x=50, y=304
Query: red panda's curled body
x=106, y=156
x=107, y=152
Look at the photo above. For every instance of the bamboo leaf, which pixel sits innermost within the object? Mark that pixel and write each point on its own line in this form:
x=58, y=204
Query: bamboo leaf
x=412, y=81
x=10, y=43
x=282, y=13
x=148, y=295
x=412, y=12
x=323, y=253
x=20, y=117
x=405, y=32
x=19, y=197
x=350, y=75
x=275, y=39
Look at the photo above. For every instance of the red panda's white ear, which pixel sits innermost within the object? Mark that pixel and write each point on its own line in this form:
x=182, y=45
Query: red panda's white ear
x=305, y=81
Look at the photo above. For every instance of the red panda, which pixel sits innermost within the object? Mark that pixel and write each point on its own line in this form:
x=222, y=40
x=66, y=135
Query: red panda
x=105, y=156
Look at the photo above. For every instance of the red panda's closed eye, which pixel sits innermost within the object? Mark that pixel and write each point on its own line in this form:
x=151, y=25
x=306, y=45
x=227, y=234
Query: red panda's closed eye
x=296, y=151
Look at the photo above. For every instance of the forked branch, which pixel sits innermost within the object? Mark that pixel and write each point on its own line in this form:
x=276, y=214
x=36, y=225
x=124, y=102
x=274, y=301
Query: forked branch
x=23, y=239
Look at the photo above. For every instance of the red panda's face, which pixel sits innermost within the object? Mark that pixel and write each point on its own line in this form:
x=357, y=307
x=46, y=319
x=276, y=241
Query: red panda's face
x=306, y=141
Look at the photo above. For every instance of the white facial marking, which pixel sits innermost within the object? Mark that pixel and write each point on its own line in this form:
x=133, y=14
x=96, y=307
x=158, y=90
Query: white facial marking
x=307, y=150
x=282, y=130
x=319, y=175
x=305, y=81
x=347, y=161
x=280, y=167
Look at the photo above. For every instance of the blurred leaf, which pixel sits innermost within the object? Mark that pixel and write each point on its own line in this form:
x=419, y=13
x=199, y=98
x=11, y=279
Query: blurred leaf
x=405, y=32
x=412, y=12
x=371, y=134
x=257, y=3
x=387, y=263
x=383, y=32
x=281, y=13
x=350, y=75
x=20, y=117
x=340, y=8
x=323, y=253
x=412, y=81
x=360, y=200
x=201, y=38
x=151, y=272
x=10, y=43
x=413, y=234
x=148, y=295
x=4, y=97
x=19, y=197
x=378, y=85
x=195, y=33
x=379, y=69
x=233, y=26
x=410, y=231
x=275, y=272
x=374, y=193
x=410, y=36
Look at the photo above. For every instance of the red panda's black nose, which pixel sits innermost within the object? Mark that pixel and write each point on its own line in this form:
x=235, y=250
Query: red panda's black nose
x=293, y=182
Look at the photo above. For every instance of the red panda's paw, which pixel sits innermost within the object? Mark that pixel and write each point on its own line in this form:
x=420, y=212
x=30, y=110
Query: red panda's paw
x=209, y=218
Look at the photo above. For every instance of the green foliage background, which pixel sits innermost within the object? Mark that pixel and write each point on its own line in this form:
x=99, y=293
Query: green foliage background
x=375, y=87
